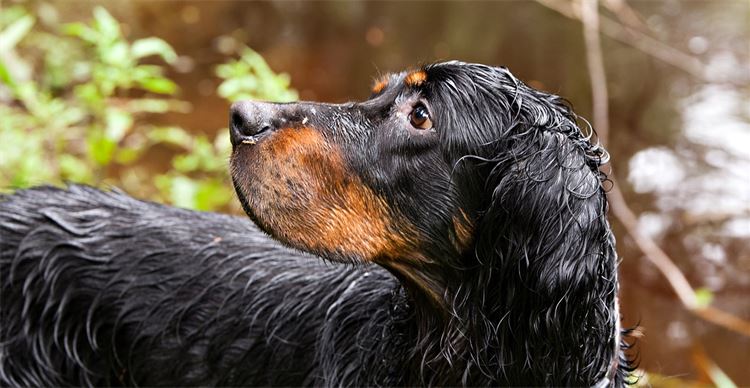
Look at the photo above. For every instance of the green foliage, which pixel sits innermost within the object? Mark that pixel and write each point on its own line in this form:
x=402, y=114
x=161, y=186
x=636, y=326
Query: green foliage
x=250, y=77
x=69, y=115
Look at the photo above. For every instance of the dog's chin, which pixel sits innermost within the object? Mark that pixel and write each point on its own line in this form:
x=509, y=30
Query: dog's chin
x=242, y=181
x=279, y=233
x=250, y=212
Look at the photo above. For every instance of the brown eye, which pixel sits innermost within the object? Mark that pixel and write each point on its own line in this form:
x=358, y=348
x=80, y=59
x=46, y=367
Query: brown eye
x=420, y=117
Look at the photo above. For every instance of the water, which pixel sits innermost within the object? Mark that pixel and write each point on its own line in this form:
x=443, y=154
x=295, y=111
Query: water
x=680, y=144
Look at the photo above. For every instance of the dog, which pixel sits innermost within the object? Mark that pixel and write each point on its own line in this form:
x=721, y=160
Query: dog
x=449, y=230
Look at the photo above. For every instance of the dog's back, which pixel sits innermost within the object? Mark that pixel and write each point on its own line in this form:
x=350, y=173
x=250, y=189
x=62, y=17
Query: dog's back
x=101, y=289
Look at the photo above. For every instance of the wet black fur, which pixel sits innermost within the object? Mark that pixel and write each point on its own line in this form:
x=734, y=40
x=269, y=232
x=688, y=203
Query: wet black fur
x=102, y=289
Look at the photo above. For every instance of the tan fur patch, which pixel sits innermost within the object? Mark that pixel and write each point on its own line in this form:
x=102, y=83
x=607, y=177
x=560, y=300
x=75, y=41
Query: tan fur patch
x=432, y=289
x=416, y=78
x=380, y=85
x=464, y=231
x=306, y=195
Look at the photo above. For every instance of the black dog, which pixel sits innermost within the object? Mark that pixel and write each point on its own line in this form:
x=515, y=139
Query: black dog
x=479, y=198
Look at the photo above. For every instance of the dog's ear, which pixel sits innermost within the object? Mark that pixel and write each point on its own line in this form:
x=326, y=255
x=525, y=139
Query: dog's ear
x=544, y=233
x=546, y=213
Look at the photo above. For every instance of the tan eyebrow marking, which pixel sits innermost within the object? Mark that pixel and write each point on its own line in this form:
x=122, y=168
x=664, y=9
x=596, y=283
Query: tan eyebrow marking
x=380, y=84
x=416, y=78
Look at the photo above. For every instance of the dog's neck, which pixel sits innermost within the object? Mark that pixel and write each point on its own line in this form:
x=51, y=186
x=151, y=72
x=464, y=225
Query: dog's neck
x=490, y=327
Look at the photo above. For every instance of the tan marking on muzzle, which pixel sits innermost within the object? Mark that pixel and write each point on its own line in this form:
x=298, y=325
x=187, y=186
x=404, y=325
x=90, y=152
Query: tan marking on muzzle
x=315, y=203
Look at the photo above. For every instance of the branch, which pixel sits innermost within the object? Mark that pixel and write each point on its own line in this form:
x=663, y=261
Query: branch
x=595, y=62
x=637, y=39
x=665, y=265
x=626, y=14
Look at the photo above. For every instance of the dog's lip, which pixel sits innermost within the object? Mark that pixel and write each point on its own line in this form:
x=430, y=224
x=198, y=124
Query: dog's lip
x=249, y=140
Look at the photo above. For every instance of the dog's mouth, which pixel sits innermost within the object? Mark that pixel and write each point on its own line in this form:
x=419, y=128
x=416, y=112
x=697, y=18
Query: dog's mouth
x=239, y=139
x=250, y=140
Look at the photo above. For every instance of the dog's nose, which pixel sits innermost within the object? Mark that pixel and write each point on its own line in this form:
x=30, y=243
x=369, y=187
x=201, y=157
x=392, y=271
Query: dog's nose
x=248, y=120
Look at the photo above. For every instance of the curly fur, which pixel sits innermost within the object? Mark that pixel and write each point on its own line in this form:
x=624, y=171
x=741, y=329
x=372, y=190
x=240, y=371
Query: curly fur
x=102, y=289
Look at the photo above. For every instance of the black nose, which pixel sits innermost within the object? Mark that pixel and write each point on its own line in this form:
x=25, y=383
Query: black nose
x=249, y=120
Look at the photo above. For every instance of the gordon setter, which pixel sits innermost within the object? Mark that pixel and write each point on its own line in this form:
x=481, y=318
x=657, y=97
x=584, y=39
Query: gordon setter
x=479, y=200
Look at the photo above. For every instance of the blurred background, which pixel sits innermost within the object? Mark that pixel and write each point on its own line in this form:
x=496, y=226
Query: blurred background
x=135, y=94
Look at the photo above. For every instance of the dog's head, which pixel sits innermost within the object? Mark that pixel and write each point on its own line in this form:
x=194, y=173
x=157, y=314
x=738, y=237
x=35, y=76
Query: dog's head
x=439, y=162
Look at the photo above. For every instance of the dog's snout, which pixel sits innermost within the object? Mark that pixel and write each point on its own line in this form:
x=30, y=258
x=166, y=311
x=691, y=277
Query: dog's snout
x=248, y=120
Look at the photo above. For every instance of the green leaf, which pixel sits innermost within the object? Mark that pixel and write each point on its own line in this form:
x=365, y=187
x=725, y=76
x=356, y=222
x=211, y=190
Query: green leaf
x=170, y=135
x=5, y=76
x=704, y=297
x=82, y=31
x=75, y=170
x=183, y=191
x=89, y=94
x=129, y=155
x=153, y=46
x=186, y=163
x=212, y=194
x=28, y=93
x=251, y=78
x=118, y=124
x=158, y=85
x=141, y=72
x=106, y=24
x=116, y=54
x=10, y=36
x=100, y=149
x=237, y=86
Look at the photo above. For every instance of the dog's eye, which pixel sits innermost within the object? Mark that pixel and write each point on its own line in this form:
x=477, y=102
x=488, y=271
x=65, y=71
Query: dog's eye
x=420, y=117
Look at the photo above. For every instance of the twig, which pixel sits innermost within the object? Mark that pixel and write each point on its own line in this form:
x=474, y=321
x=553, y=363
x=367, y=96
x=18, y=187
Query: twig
x=675, y=277
x=626, y=14
x=710, y=369
x=637, y=39
x=652, y=251
x=595, y=62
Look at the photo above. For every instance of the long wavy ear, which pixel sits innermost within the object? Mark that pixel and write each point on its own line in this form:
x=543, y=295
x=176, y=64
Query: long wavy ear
x=544, y=231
